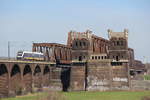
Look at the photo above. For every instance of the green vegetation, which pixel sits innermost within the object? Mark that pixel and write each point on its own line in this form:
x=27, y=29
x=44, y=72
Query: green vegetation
x=106, y=95
x=122, y=95
x=146, y=77
x=36, y=96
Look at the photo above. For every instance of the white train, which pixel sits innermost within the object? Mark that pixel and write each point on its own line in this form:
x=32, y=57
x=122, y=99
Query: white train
x=26, y=55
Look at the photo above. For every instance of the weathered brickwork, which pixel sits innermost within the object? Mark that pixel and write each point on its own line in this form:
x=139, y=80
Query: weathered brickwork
x=55, y=79
x=99, y=76
x=77, y=82
x=54, y=52
x=102, y=76
x=107, y=60
x=121, y=79
x=22, y=77
x=140, y=85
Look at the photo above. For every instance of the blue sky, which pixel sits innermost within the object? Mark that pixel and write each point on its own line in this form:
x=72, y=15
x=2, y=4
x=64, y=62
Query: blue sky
x=51, y=20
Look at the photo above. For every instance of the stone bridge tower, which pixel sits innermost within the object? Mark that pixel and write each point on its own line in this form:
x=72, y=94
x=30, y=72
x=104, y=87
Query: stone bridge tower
x=118, y=48
x=119, y=55
x=80, y=43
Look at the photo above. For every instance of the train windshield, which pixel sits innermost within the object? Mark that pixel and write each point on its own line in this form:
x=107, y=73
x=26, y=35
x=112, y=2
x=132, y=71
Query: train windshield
x=19, y=53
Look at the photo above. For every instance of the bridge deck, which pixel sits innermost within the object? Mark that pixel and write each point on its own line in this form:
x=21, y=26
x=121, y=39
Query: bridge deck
x=23, y=61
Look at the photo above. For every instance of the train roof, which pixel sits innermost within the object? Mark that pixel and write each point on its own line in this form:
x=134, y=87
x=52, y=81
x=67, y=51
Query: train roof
x=31, y=52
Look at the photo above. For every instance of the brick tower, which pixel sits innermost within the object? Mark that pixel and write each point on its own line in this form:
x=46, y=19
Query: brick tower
x=118, y=48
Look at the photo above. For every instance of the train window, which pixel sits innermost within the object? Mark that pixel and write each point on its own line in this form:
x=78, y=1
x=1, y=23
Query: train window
x=19, y=54
x=25, y=55
x=30, y=55
x=102, y=57
x=99, y=57
x=41, y=56
x=36, y=55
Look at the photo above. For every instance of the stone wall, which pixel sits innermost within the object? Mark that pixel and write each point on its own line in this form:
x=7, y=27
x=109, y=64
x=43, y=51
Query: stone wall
x=101, y=76
x=140, y=84
x=98, y=76
x=120, y=77
x=55, y=79
x=77, y=81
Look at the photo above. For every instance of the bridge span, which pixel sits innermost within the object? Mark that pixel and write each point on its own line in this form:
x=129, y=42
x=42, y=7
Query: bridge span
x=17, y=77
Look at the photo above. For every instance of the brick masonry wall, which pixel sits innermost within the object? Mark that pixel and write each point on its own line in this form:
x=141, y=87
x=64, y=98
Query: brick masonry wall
x=55, y=79
x=77, y=81
x=102, y=77
x=98, y=76
x=120, y=78
x=140, y=84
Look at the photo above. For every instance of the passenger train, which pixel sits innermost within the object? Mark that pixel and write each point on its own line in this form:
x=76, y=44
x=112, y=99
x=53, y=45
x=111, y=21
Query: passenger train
x=26, y=55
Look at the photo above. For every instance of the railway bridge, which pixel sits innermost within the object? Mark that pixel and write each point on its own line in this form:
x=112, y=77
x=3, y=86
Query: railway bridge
x=17, y=76
x=22, y=76
x=87, y=62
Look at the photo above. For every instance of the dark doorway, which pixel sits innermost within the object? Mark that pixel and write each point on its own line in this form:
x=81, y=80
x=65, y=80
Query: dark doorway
x=65, y=78
x=80, y=58
x=117, y=58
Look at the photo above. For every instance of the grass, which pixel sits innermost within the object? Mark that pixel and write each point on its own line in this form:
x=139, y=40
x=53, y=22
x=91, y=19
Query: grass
x=35, y=96
x=123, y=95
x=146, y=77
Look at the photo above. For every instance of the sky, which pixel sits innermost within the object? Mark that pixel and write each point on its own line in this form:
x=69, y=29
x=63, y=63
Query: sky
x=23, y=22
